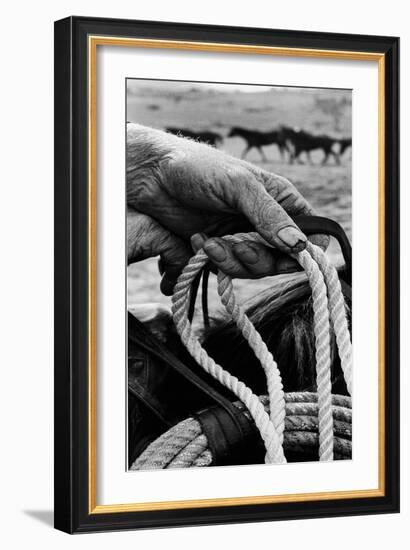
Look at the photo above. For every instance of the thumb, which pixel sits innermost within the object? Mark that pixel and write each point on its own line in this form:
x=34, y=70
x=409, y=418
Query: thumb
x=269, y=218
x=147, y=239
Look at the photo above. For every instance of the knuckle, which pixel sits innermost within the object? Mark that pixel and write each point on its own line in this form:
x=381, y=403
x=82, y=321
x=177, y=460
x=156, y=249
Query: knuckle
x=140, y=189
x=230, y=267
x=270, y=213
x=273, y=183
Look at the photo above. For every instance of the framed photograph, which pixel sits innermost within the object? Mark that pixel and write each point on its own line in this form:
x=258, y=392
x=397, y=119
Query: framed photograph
x=226, y=274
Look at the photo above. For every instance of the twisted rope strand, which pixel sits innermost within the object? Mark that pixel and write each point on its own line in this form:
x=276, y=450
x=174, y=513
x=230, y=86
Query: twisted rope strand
x=179, y=308
x=254, y=339
x=190, y=453
x=164, y=446
x=323, y=363
x=337, y=310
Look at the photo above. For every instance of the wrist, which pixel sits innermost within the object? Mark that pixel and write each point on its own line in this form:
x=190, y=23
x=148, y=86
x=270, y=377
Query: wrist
x=147, y=151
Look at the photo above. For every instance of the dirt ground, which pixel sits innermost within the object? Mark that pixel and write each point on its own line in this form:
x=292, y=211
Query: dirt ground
x=328, y=188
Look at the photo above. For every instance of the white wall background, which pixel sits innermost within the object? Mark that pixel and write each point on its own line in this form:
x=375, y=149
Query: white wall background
x=26, y=296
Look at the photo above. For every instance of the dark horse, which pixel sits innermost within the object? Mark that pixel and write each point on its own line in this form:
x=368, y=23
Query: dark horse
x=344, y=144
x=212, y=138
x=283, y=315
x=255, y=138
x=300, y=141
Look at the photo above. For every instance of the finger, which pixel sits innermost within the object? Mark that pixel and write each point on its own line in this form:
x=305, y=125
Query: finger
x=198, y=241
x=269, y=218
x=291, y=200
x=161, y=267
x=261, y=261
x=221, y=255
x=174, y=254
x=286, y=195
x=248, y=260
x=286, y=264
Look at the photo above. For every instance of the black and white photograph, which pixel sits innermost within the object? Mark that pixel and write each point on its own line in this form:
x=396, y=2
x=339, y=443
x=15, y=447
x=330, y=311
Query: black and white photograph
x=239, y=278
x=227, y=275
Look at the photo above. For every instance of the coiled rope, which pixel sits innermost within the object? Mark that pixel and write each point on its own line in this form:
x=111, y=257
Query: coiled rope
x=328, y=308
x=186, y=446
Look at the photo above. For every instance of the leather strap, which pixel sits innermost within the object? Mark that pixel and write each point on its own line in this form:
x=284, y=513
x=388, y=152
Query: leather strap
x=230, y=436
x=143, y=338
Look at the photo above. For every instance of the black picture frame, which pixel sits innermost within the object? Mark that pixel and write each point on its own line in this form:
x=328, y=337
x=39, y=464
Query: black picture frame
x=72, y=511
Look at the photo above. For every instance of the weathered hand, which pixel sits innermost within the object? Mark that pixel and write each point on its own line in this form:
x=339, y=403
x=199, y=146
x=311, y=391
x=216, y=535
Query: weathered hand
x=146, y=238
x=193, y=190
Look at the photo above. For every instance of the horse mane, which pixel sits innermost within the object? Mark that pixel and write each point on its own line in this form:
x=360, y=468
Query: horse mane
x=283, y=315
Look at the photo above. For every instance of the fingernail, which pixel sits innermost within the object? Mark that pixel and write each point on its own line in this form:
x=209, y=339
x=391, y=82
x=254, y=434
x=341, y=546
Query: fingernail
x=215, y=250
x=246, y=253
x=293, y=238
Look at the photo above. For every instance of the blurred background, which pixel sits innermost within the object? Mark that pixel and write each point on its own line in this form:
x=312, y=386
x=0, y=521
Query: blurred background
x=217, y=108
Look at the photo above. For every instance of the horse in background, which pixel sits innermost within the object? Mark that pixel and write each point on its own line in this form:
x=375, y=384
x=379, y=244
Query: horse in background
x=300, y=141
x=257, y=139
x=344, y=144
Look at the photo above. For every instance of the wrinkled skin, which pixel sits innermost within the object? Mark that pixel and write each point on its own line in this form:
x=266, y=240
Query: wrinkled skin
x=184, y=195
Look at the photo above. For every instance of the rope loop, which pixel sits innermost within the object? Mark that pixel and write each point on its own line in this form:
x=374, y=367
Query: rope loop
x=329, y=309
